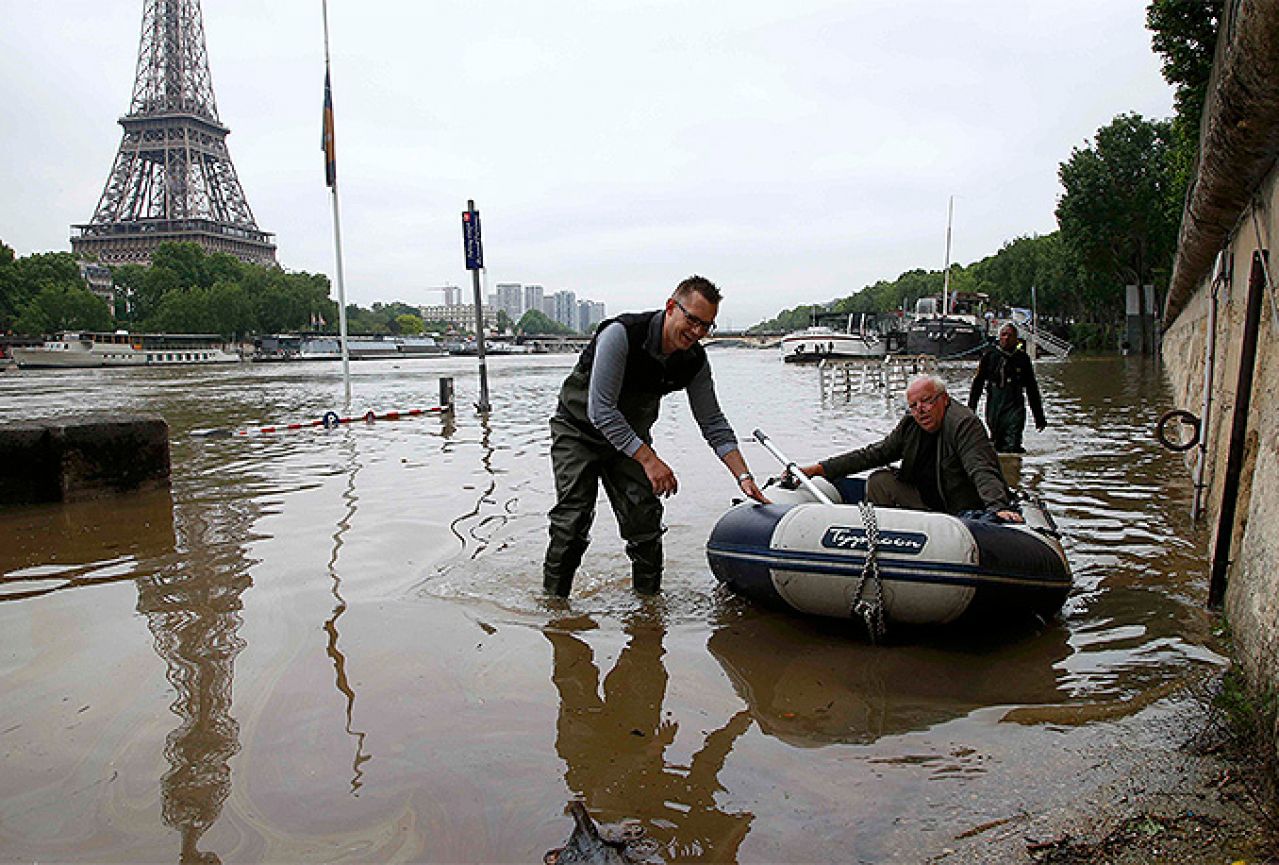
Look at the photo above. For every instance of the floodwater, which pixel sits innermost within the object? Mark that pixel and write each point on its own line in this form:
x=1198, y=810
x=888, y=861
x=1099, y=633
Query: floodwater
x=330, y=646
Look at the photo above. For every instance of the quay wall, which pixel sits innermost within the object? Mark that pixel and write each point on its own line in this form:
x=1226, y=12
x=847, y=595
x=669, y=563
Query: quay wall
x=81, y=457
x=1232, y=212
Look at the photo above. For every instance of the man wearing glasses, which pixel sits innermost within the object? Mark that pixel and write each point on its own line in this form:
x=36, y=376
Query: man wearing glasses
x=600, y=432
x=948, y=463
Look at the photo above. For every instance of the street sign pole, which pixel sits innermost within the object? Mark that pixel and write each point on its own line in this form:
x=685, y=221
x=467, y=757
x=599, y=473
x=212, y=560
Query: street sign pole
x=473, y=246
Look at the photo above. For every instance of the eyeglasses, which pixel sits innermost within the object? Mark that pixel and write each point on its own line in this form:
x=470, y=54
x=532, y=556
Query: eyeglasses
x=700, y=323
x=923, y=403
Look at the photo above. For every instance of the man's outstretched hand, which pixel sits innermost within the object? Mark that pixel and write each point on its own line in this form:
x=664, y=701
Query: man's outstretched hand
x=752, y=489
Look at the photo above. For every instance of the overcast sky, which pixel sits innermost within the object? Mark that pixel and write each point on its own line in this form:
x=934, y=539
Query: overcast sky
x=791, y=151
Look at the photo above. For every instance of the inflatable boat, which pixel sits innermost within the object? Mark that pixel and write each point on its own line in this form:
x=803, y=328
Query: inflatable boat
x=849, y=559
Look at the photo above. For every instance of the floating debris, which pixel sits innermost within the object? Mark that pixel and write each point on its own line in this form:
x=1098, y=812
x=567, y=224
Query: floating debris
x=610, y=844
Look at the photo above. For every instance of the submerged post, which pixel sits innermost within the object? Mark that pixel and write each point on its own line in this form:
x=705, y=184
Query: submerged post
x=473, y=246
x=446, y=394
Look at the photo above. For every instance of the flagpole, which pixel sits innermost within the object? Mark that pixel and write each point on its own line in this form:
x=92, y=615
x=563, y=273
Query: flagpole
x=331, y=176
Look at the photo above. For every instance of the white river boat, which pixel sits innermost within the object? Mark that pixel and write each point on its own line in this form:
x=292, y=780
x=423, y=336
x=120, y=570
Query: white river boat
x=72, y=350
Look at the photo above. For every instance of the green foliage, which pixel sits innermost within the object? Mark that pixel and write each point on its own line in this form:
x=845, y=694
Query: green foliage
x=367, y=321
x=223, y=309
x=1044, y=263
x=186, y=290
x=43, y=293
x=14, y=293
x=1093, y=336
x=1116, y=214
x=1184, y=34
x=63, y=307
x=1250, y=714
x=383, y=318
x=534, y=322
x=409, y=323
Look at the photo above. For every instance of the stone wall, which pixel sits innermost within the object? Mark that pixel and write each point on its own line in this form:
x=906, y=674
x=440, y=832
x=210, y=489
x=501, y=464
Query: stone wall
x=81, y=457
x=1252, y=595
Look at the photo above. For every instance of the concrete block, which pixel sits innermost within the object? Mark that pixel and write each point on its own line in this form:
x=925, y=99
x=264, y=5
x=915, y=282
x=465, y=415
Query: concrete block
x=82, y=457
x=28, y=469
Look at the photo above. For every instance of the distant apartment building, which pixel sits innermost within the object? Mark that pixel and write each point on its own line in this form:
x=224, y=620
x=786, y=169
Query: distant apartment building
x=452, y=295
x=533, y=297
x=460, y=315
x=564, y=308
x=509, y=297
x=589, y=314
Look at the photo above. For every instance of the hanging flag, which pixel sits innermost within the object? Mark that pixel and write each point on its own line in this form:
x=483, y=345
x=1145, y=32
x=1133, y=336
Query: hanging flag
x=326, y=143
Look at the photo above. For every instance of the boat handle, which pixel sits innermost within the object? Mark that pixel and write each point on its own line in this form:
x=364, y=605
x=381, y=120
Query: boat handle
x=791, y=467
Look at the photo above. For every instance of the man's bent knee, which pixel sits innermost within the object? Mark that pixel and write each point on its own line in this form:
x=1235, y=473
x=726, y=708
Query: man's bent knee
x=881, y=488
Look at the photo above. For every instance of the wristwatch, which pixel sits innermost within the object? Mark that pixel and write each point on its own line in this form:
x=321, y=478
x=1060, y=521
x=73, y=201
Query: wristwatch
x=744, y=476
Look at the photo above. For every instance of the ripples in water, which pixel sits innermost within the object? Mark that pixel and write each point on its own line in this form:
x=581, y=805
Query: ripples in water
x=374, y=593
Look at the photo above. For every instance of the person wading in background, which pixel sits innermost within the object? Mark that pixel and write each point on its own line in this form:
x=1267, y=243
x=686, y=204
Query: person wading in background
x=601, y=431
x=1009, y=379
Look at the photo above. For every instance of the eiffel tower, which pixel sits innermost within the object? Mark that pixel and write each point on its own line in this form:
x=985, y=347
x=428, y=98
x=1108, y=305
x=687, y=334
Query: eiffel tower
x=173, y=179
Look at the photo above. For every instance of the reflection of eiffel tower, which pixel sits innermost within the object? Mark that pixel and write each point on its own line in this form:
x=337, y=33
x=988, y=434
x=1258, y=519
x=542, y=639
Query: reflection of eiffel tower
x=194, y=615
x=173, y=179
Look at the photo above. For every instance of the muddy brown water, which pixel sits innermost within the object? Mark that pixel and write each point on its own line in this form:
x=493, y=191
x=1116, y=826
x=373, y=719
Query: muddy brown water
x=330, y=646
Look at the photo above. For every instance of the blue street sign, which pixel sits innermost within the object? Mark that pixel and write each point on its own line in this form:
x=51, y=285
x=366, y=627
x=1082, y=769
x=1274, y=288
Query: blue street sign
x=471, y=243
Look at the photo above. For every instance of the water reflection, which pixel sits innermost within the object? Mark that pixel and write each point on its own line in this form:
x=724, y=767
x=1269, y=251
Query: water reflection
x=193, y=612
x=614, y=744
x=809, y=684
x=50, y=548
x=476, y=528
x=373, y=508
x=341, y=680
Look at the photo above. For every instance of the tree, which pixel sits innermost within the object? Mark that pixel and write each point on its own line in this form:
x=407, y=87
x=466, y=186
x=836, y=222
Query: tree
x=1184, y=34
x=359, y=320
x=1116, y=213
x=409, y=324
x=187, y=261
x=223, y=308
x=1043, y=262
x=535, y=322
x=503, y=321
x=60, y=307
x=14, y=292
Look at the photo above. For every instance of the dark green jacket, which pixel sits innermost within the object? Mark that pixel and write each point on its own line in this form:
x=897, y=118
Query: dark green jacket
x=646, y=378
x=968, y=473
x=1012, y=374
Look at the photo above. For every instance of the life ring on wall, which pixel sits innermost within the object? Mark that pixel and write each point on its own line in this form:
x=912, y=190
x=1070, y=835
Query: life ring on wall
x=1184, y=418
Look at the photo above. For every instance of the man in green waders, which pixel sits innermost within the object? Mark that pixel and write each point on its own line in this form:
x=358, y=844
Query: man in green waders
x=1009, y=381
x=600, y=432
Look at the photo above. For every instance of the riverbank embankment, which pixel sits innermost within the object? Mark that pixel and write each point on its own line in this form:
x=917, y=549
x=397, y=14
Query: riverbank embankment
x=1221, y=350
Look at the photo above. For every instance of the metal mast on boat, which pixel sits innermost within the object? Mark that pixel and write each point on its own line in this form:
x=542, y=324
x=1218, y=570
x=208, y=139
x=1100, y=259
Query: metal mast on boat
x=945, y=281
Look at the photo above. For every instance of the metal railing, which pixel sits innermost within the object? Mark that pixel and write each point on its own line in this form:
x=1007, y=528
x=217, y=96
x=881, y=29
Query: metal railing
x=1049, y=343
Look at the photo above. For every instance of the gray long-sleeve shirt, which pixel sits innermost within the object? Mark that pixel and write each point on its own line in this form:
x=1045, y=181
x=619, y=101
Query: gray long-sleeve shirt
x=608, y=368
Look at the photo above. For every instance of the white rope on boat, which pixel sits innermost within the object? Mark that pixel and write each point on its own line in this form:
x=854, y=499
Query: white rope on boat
x=871, y=610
